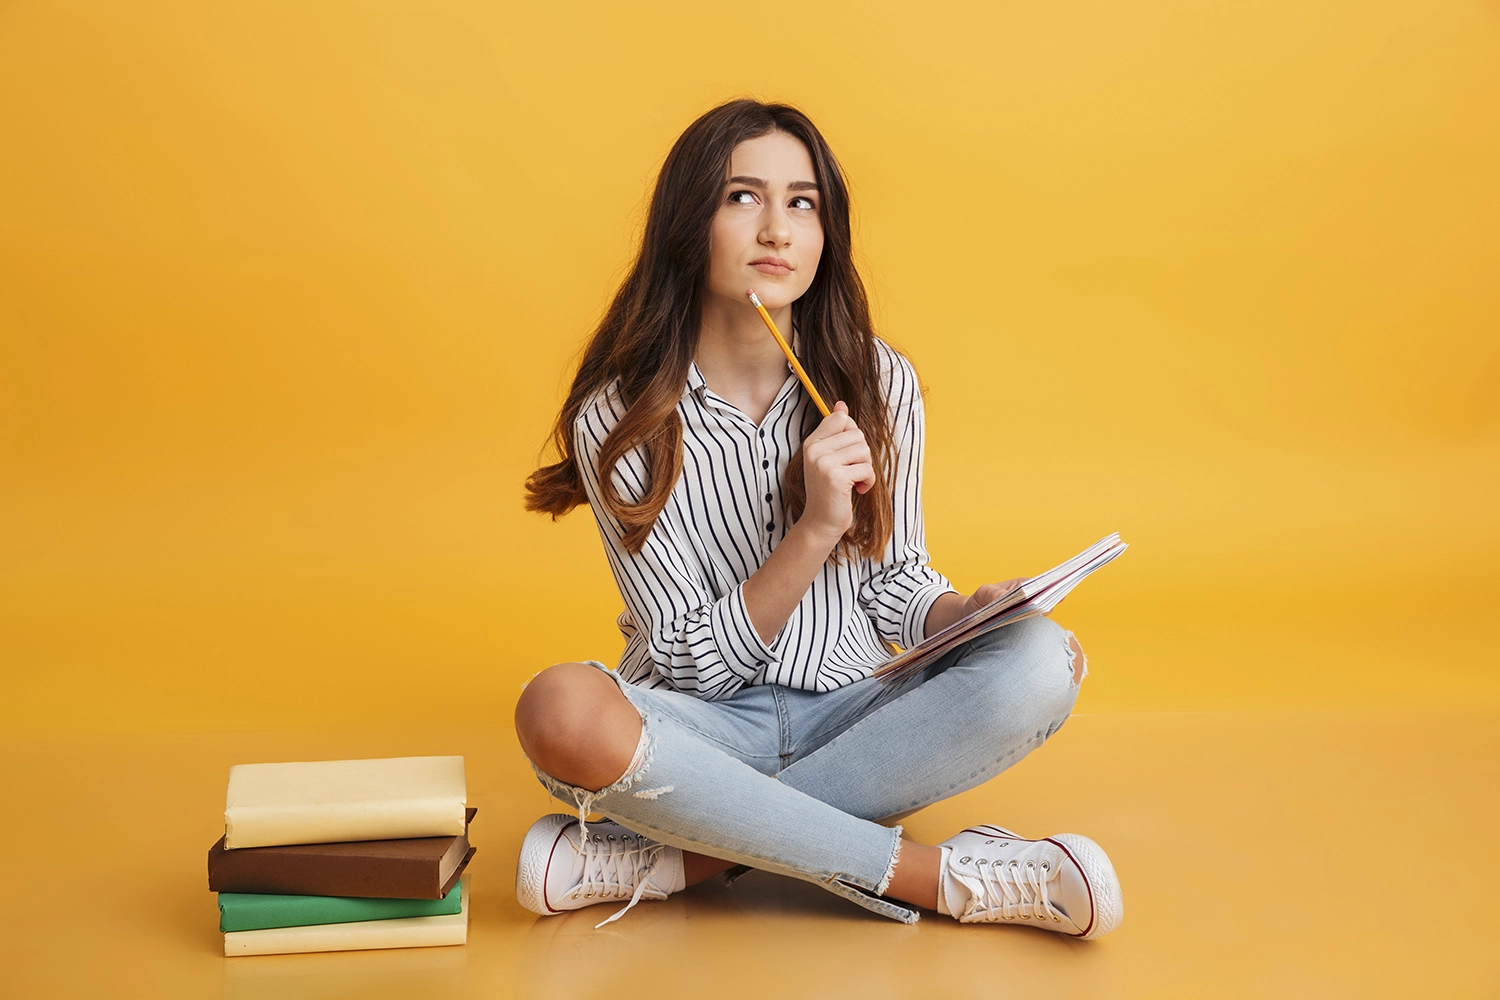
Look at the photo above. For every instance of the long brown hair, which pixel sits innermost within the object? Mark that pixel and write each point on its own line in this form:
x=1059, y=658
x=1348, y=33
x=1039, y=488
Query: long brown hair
x=647, y=338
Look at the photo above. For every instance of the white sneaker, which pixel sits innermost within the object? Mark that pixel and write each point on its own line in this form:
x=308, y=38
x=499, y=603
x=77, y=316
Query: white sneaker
x=562, y=868
x=1063, y=883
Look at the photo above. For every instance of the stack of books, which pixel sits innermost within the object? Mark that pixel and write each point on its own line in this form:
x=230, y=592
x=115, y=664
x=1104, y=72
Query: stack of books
x=343, y=855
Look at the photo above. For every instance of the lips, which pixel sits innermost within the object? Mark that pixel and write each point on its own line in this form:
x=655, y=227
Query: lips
x=771, y=265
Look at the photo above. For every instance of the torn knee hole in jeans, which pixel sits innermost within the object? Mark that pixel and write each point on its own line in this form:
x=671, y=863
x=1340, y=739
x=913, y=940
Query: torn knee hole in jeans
x=1078, y=661
x=640, y=763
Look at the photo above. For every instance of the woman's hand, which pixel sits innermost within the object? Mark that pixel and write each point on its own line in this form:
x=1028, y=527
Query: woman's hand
x=835, y=460
x=951, y=607
x=988, y=594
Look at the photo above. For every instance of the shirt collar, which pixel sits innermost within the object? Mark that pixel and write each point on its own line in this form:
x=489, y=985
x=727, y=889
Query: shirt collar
x=695, y=380
x=697, y=385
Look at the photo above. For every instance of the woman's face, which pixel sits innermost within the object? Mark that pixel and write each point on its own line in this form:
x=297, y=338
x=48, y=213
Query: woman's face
x=766, y=234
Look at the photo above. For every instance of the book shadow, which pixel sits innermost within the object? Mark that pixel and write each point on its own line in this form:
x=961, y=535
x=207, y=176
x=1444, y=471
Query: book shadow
x=395, y=972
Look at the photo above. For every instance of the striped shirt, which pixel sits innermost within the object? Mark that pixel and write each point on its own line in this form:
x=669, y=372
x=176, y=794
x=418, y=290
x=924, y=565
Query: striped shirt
x=685, y=622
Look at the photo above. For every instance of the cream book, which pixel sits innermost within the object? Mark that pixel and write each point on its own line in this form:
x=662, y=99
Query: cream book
x=400, y=932
x=331, y=801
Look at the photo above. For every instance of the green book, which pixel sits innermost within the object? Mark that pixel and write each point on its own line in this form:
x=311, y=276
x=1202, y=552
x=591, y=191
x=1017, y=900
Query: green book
x=253, y=911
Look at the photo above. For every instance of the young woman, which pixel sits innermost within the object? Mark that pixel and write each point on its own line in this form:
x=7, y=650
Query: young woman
x=768, y=559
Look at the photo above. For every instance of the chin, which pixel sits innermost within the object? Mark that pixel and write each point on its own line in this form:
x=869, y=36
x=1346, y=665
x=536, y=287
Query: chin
x=775, y=296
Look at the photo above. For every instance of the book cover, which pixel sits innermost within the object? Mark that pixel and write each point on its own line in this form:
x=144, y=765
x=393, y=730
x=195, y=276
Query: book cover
x=330, y=801
x=414, y=868
x=251, y=911
x=400, y=932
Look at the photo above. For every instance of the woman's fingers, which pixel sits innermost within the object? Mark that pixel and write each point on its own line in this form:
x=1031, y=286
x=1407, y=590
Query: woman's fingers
x=837, y=421
x=846, y=467
x=836, y=452
x=832, y=426
x=845, y=470
x=991, y=592
x=815, y=451
x=843, y=449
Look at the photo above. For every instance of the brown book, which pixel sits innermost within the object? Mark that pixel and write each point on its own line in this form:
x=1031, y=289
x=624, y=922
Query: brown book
x=419, y=868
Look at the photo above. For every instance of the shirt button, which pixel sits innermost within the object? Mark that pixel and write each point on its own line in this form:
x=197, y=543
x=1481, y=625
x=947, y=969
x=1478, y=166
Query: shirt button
x=765, y=463
x=771, y=526
x=768, y=497
x=762, y=433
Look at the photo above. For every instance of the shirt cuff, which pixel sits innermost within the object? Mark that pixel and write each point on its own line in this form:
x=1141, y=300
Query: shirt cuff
x=914, y=625
x=741, y=648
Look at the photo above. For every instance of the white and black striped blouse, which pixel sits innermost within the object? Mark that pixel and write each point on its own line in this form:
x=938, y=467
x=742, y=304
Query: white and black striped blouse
x=685, y=621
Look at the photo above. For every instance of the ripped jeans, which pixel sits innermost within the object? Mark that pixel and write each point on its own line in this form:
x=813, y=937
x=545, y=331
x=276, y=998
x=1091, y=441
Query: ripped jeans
x=794, y=782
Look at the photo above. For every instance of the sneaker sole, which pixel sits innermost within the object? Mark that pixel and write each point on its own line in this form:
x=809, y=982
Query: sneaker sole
x=1104, y=885
x=536, y=855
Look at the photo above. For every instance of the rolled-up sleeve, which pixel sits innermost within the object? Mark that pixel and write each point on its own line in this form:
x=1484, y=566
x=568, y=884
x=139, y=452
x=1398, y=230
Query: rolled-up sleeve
x=699, y=643
x=899, y=589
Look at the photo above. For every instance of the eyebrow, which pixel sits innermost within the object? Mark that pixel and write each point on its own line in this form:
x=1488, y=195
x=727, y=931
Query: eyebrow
x=757, y=182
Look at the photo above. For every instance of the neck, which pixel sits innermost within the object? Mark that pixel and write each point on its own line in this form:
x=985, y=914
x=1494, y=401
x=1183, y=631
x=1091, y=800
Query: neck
x=737, y=355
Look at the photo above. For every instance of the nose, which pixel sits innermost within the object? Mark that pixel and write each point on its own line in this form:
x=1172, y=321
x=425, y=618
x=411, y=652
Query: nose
x=776, y=227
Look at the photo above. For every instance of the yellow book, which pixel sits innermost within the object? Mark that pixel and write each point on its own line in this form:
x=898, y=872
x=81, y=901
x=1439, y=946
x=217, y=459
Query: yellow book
x=334, y=801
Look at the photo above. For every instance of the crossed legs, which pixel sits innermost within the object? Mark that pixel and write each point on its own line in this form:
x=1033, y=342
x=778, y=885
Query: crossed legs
x=576, y=725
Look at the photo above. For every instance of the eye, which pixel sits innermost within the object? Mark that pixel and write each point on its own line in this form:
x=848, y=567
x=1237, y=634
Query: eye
x=741, y=198
x=803, y=203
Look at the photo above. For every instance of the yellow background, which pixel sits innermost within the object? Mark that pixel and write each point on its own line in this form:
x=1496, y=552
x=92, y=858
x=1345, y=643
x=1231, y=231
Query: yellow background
x=289, y=294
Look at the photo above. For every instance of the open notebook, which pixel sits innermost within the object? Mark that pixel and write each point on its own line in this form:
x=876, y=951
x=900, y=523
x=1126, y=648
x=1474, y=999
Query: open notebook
x=1036, y=596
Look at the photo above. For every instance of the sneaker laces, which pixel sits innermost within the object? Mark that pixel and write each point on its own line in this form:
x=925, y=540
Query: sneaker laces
x=614, y=865
x=1012, y=889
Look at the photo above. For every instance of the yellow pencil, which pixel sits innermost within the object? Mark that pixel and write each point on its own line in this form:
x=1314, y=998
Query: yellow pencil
x=787, y=350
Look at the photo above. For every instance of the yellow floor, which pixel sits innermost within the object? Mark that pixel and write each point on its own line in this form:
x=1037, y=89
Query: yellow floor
x=1308, y=854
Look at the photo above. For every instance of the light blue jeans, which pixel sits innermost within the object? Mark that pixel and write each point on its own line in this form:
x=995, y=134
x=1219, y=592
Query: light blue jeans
x=793, y=782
